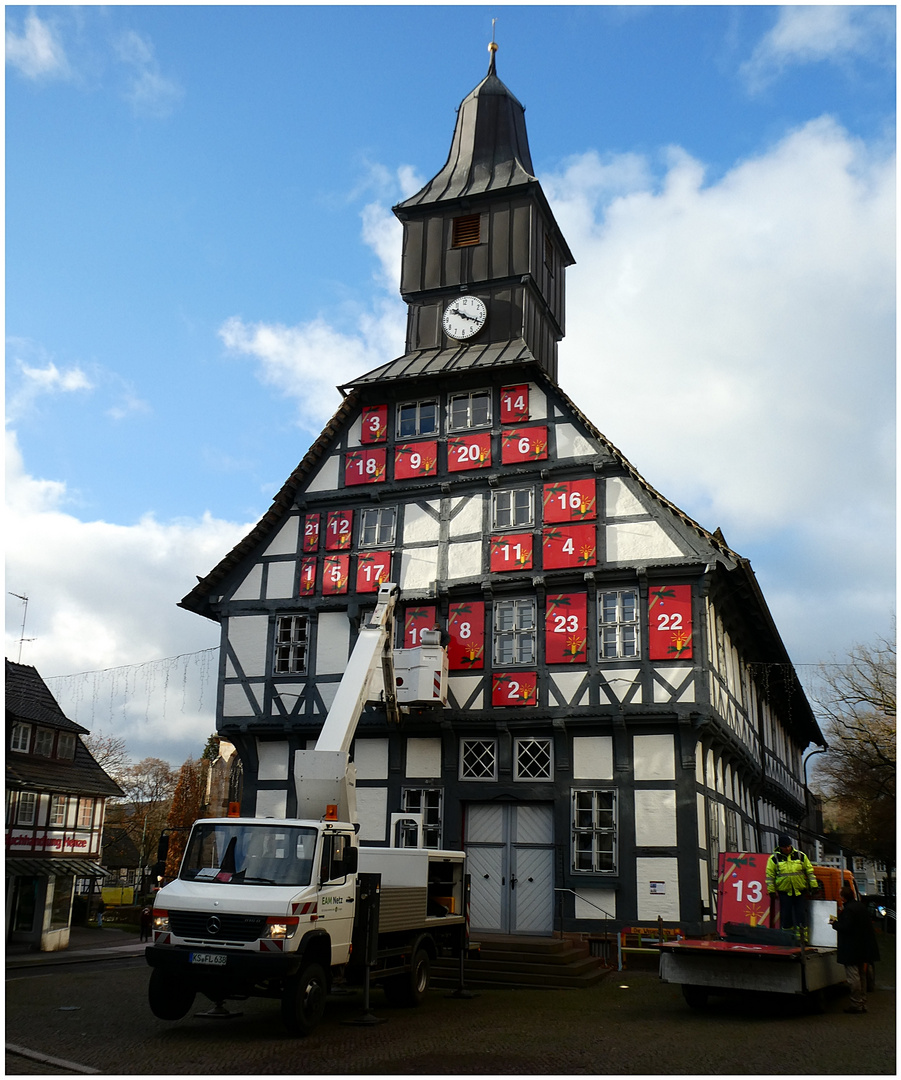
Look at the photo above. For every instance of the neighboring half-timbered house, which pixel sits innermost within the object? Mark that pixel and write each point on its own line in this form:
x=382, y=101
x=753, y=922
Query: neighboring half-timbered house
x=621, y=706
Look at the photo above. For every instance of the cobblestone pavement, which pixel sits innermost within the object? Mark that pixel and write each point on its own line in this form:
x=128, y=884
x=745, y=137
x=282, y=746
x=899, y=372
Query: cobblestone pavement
x=97, y=1019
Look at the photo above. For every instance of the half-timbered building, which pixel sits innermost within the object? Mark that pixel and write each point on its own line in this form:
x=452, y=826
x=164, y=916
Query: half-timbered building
x=621, y=706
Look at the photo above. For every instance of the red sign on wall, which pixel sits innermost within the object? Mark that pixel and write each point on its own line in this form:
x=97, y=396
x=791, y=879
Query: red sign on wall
x=466, y=628
x=466, y=452
x=373, y=567
x=365, y=466
x=335, y=572
x=741, y=889
x=571, y=500
x=415, y=459
x=566, y=629
x=338, y=530
x=514, y=404
x=569, y=545
x=669, y=622
x=514, y=688
x=511, y=551
x=307, y=576
x=417, y=619
x=311, y=532
x=523, y=444
x=375, y=424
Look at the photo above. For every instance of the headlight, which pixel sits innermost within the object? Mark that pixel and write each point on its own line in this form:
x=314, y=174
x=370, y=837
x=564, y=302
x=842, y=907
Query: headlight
x=160, y=920
x=281, y=926
x=880, y=911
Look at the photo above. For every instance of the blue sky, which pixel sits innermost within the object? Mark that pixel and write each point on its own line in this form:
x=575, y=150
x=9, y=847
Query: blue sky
x=199, y=247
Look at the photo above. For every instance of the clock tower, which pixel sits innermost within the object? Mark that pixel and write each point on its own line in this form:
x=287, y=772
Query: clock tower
x=483, y=260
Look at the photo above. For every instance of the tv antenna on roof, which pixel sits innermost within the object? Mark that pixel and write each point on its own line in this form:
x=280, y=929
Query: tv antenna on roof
x=22, y=637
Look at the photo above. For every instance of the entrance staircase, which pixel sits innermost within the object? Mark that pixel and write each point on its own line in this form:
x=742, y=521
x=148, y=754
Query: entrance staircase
x=520, y=963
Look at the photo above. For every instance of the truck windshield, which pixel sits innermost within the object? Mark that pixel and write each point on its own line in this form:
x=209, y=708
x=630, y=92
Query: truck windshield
x=263, y=854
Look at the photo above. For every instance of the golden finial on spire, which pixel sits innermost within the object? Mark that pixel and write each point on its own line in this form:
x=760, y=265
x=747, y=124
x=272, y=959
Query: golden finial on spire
x=492, y=47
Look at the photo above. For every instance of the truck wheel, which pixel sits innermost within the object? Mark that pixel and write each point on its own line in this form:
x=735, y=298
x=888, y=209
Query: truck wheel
x=695, y=996
x=410, y=989
x=169, y=999
x=303, y=1000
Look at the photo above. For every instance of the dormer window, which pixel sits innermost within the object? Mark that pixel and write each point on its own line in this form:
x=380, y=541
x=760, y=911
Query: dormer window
x=467, y=231
x=65, y=746
x=43, y=742
x=20, y=738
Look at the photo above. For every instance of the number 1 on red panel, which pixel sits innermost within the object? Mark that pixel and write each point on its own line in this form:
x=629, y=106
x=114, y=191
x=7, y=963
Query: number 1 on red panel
x=307, y=576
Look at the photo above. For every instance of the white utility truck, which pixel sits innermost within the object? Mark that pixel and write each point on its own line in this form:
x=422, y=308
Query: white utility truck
x=282, y=908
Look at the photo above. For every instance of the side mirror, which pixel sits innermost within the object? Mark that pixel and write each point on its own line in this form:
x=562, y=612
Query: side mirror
x=351, y=860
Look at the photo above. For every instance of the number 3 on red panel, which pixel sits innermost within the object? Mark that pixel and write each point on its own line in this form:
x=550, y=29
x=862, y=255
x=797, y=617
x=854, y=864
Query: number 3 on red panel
x=375, y=424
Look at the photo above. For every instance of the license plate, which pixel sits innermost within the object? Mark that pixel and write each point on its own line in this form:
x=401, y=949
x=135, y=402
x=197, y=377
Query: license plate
x=208, y=958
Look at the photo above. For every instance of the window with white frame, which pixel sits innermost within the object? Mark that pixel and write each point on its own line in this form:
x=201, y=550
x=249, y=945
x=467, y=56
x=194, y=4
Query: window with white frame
x=417, y=418
x=425, y=801
x=291, y=644
x=472, y=410
x=85, y=813
x=594, y=831
x=534, y=759
x=618, y=624
x=20, y=738
x=478, y=759
x=65, y=745
x=513, y=508
x=514, y=632
x=26, y=809
x=43, y=742
x=58, y=804
x=378, y=526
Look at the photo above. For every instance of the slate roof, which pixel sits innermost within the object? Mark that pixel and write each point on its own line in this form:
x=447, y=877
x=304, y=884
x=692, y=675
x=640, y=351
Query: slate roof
x=448, y=361
x=28, y=699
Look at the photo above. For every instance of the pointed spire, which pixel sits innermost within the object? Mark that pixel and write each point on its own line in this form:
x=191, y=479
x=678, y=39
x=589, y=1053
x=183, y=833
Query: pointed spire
x=490, y=148
x=492, y=48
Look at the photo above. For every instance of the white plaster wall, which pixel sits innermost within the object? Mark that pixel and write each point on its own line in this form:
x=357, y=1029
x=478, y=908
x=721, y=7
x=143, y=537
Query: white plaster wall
x=654, y=757
x=680, y=678
x=419, y=526
x=570, y=444
x=280, y=581
x=371, y=759
x=273, y=757
x=326, y=479
x=705, y=882
x=238, y=698
x=702, y=821
x=355, y=431
x=699, y=763
x=620, y=500
x=372, y=810
x=249, y=589
x=461, y=686
x=621, y=681
x=588, y=901
x=327, y=692
x=568, y=683
x=423, y=758
x=418, y=569
x=537, y=403
x=285, y=540
x=332, y=643
x=272, y=804
x=639, y=540
x=652, y=907
x=464, y=560
x=592, y=757
x=655, y=818
x=247, y=636
x=468, y=518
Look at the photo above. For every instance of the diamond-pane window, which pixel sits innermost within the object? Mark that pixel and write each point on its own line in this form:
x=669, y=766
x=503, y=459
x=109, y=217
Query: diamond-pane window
x=478, y=759
x=534, y=760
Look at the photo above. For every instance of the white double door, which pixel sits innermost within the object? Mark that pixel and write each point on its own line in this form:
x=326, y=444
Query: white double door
x=510, y=856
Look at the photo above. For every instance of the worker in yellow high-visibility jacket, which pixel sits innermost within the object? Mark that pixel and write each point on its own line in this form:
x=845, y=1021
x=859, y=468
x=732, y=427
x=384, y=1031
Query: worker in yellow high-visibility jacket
x=790, y=876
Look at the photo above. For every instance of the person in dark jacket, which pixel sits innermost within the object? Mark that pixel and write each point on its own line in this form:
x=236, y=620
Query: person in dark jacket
x=146, y=924
x=857, y=947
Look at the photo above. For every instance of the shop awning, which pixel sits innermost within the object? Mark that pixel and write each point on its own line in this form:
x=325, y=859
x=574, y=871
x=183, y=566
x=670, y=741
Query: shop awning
x=54, y=868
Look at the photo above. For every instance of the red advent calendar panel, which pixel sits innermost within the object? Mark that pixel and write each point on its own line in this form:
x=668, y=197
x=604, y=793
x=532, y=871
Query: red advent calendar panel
x=307, y=576
x=466, y=628
x=311, y=532
x=417, y=619
x=365, y=466
x=375, y=424
x=569, y=545
x=511, y=551
x=469, y=452
x=335, y=572
x=514, y=404
x=415, y=459
x=373, y=567
x=338, y=530
x=523, y=444
x=669, y=622
x=741, y=889
x=571, y=500
x=515, y=688
x=566, y=629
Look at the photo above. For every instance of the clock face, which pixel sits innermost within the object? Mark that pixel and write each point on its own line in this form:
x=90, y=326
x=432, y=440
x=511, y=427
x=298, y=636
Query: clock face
x=464, y=317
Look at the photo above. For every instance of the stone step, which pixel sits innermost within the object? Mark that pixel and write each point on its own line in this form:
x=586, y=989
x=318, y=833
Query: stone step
x=522, y=962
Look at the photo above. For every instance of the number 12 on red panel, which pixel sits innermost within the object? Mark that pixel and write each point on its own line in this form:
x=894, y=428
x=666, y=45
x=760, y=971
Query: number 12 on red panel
x=524, y=444
x=365, y=466
x=669, y=618
x=338, y=529
x=335, y=572
x=515, y=688
x=566, y=629
x=469, y=452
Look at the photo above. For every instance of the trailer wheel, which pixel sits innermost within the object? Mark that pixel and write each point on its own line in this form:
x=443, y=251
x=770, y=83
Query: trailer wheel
x=303, y=999
x=695, y=996
x=169, y=999
x=410, y=989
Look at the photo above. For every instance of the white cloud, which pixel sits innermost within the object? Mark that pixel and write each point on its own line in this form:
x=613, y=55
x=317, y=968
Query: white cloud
x=34, y=382
x=149, y=92
x=37, y=53
x=814, y=34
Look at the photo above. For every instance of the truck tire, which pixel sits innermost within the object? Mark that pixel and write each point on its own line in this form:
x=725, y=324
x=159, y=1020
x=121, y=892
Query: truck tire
x=410, y=989
x=303, y=999
x=169, y=999
x=695, y=996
